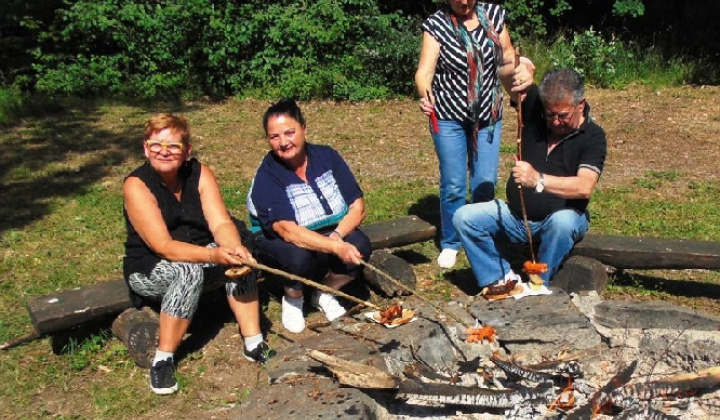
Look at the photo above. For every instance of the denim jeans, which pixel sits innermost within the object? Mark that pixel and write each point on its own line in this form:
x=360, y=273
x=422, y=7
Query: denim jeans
x=454, y=148
x=481, y=226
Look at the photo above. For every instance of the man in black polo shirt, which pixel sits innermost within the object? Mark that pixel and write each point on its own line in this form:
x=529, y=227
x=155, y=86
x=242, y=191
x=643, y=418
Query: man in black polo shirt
x=563, y=152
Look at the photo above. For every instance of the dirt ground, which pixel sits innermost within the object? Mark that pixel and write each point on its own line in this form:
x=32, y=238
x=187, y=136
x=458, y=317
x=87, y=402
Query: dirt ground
x=675, y=129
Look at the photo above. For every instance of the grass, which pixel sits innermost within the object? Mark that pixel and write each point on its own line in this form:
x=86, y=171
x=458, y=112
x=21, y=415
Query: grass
x=61, y=227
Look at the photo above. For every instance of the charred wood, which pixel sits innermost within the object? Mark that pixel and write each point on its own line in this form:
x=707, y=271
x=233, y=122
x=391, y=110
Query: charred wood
x=647, y=413
x=477, y=397
x=602, y=398
x=517, y=371
x=677, y=386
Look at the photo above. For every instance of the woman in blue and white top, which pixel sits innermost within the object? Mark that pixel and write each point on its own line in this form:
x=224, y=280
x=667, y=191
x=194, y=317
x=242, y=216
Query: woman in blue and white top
x=305, y=206
x=466, y=55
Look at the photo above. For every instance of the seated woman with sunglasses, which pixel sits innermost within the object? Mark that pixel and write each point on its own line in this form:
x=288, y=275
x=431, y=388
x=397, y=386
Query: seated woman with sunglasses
x=179, y=237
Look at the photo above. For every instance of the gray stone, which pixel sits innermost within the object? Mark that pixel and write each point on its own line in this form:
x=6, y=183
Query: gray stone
x=652, y=314
x=307, y=398
x=535, y=324
x=292, y=362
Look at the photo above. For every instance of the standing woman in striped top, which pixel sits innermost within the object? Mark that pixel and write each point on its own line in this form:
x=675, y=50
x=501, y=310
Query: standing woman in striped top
x=466, y=56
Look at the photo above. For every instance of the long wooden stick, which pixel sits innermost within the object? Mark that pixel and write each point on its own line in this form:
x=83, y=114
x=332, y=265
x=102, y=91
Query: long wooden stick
x=308, y=282
x=414, y=292
x=519, y=157
x=19, y=340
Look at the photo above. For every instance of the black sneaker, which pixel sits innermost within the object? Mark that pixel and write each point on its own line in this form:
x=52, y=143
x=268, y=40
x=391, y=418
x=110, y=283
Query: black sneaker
x=259, y=354
x=162, y=377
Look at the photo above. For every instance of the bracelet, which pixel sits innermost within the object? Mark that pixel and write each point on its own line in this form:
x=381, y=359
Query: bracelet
x=338, y=233
x=210, y=255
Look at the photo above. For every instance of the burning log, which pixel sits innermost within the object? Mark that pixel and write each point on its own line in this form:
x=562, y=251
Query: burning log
x=683, y=385
x=572, y=368
x=556, y=378
x=647, y=413
x=599, y=401
x=477, y=397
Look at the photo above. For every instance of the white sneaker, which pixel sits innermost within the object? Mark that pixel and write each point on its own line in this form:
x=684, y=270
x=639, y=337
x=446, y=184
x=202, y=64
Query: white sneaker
x=511, y=275
x=328, y=305
x=447, y=258
x=292, y=314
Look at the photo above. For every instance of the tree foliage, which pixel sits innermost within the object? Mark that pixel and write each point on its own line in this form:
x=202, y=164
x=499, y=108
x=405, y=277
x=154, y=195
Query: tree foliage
x=337, y=49
x=341, y=49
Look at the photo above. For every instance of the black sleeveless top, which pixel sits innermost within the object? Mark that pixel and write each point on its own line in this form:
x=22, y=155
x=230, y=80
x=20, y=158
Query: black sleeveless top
x=184, y=219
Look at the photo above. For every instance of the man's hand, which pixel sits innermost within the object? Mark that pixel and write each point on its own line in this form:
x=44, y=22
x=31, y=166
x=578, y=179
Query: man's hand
x=525, y=175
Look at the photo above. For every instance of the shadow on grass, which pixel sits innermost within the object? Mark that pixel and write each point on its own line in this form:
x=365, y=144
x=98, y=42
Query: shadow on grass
x=463, y=279
x=680, y=288
x=412, y=257
x=60, y=154
x=428, y=209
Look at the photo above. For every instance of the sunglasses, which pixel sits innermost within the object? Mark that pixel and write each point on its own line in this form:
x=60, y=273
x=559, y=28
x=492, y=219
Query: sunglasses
x=173, y=147
x=563, y=117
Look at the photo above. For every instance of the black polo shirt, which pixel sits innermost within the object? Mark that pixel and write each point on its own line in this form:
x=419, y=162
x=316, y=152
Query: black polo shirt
x=584, y=148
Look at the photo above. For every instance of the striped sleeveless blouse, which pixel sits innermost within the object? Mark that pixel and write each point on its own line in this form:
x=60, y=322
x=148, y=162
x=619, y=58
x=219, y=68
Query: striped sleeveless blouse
x=450, y=83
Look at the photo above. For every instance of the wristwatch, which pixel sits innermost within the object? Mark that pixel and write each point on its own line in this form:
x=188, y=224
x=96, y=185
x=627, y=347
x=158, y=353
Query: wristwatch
x=540, y=185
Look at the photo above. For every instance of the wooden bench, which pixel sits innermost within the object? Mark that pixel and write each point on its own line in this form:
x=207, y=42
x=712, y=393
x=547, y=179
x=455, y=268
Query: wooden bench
x=650, y=253
x=64, y=310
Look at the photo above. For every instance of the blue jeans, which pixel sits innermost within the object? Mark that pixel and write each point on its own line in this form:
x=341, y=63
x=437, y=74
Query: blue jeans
x=482, y=226
x=454, y=148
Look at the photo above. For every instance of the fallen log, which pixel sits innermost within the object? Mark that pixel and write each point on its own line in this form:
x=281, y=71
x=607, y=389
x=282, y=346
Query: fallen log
x=357, y=375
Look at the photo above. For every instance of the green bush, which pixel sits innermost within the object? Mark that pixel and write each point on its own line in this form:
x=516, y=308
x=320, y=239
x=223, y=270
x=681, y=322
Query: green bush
x=608, y=62
x=339, y=49
x=11, y=100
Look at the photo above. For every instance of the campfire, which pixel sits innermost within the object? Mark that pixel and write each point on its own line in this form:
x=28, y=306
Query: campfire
x=470, y=371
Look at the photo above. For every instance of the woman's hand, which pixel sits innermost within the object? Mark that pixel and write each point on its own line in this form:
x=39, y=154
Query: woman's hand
x=224, y=255
x=523, y=75
x=347, y=252
x=426, y=106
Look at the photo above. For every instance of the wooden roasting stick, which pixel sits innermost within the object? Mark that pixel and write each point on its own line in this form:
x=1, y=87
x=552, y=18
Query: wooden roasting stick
x=519, y=157
x=19, y=340
x=242, y=271
x=414, y=292
x=531, y=268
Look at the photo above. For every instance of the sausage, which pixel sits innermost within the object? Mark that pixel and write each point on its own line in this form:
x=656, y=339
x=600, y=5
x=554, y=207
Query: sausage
x=531, y=267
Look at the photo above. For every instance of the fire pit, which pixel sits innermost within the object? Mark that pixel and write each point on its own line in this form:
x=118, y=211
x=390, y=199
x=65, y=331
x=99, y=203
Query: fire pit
x=553, y=357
